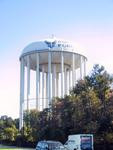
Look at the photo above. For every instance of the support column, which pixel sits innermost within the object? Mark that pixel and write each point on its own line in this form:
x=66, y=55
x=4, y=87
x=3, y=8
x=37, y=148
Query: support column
x=49, y=77
x=22, y=72
x=75, y=77
x=75, y=72
x=62, y=75
x=84, y=66
x=37, y=81
x=28, y=81
x=54, y=80
x=42, y=87
x=47, y=102
x=57, y=84
x=65, y=80
x=40, y=94
x=80, y=67
x=70, y=79
x=73, y=69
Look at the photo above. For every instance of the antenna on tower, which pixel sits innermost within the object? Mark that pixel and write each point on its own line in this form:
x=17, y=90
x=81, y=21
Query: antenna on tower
x=52, y=36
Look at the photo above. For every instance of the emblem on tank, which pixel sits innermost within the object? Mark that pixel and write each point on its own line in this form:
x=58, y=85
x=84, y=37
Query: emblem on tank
x=50, y=44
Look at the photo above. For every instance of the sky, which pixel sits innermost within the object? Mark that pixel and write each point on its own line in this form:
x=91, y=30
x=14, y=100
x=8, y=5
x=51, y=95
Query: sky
x=88, y=23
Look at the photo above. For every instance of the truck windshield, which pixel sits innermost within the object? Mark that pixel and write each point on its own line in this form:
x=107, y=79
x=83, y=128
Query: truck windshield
x=87, y=140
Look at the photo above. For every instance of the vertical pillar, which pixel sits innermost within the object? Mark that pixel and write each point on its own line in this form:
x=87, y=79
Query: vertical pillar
x=62, y=74
x=65, y=78
x=73, y=69
x=28, y=81
x=54, y=80
x=75, y=72
x=57, y=84
x=37, y=80
x=84, y=66
x=70, y=79
x=39, y=101
x=75, y=76
x=53, y=83
x=22, y=70
x=42, y=87
x=47, y=102
x=49, y=77
x=68, y=84
x=80, y=67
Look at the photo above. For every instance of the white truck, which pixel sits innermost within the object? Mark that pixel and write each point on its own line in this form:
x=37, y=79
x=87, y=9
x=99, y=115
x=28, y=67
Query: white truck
x=80, y=142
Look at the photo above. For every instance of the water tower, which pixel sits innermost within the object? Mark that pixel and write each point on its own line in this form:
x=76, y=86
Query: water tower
x=56, y=66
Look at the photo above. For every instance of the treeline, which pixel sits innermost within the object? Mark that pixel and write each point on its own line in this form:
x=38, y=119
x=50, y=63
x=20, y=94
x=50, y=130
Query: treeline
x=87, y=109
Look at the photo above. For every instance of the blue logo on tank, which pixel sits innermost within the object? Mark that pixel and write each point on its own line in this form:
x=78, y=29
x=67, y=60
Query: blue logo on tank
x=50, y=44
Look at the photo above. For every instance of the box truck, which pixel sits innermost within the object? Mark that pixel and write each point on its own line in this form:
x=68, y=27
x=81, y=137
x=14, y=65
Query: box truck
x=80, y=142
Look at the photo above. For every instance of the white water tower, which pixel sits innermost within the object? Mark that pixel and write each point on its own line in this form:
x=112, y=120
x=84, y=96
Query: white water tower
x=57, y=66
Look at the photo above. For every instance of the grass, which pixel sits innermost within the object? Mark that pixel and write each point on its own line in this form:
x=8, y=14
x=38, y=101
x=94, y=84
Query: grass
x=11, y=149
x=14, y=149
x=3, y=147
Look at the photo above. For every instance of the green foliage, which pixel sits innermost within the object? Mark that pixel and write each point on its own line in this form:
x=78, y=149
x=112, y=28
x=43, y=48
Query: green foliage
x=10, y=133
x=109, y=137
x=8, y=130
x=100, y=81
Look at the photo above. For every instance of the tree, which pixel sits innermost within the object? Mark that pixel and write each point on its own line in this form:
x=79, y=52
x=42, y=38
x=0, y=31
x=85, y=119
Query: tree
x=86, y=104
x=10, y=133
x=100, y=81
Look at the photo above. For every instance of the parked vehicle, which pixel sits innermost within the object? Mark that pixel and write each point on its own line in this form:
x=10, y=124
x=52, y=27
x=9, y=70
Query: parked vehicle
x=80, y=142
x=50, y=145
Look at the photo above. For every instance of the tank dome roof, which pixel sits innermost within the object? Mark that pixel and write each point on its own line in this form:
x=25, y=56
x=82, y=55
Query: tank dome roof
x=52, y=44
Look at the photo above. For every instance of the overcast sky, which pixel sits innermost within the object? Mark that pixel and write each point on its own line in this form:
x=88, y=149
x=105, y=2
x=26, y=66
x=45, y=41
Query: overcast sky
x=88, y=23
